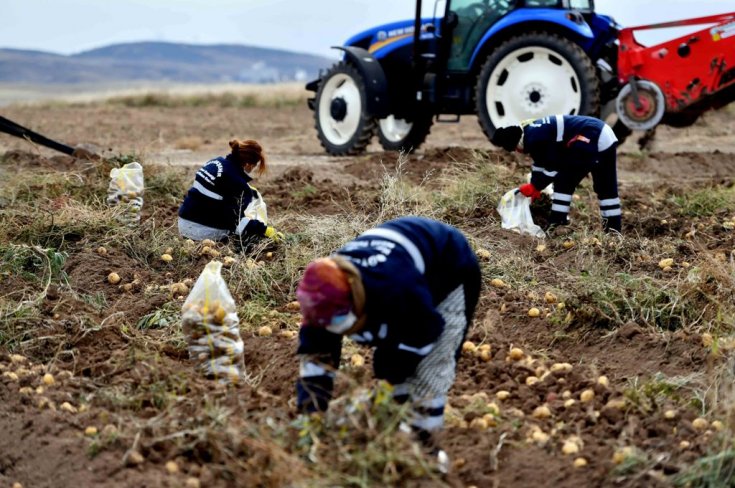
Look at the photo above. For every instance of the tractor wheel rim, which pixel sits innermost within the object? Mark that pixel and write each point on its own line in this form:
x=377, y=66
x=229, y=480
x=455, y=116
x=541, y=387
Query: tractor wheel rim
x=393, y=129
x=529, y=83
x=340, y=86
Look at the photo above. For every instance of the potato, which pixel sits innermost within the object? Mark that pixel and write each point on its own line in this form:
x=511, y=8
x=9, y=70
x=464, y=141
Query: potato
x=485, y=355
x=568, y=244
x=10, y=375
x=516, y=354
x=469, y=347
x=113, y=278
x=700, y=424
x=603, y=381
x=561, y=368
x=479, y=423
x=579, y=462
x=483, y=254
x=68, y=407
x=135, y=458
x=707, y=339
x=90, y=431
x=208, y=243
x=670, y=414
x=48, y=379
x=166, y=258
x=666, y=263
x=684, y=445
x=265, y=331
x=219, y=315
x=498, y=283
x=541, y=248
x=192, y=482
x=294, y=306
x=717, y=425
x=534, y=312
x=569, y=447
x=621, y=455
x=531, y=380
x=617, y=404
x=540, y=437
x=172, y=467
x=566, y=394
x=502, y=395
x=542, y=412
x=587, y=396
x=288, y=334
x=550, y=298
x=357, y=361
x=228, y=261
x=102, y=250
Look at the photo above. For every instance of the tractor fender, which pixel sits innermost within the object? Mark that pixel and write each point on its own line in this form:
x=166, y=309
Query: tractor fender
x=554, y=17
x=376, y=83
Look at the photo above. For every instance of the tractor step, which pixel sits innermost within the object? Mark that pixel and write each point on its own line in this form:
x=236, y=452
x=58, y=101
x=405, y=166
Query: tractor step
x=453, y=120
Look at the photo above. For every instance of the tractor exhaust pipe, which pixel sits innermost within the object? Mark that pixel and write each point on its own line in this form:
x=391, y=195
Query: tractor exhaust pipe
x=417, y=35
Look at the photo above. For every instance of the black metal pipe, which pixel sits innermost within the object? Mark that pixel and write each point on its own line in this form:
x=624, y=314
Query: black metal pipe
x=417, y=34
x=10, y=127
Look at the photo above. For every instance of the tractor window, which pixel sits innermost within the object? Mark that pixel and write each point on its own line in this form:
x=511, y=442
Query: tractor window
x=475, y=17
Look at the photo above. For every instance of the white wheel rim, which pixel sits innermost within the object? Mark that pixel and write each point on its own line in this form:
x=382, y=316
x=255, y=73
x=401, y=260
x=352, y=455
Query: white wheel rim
x=393, y=129
x=647, y=88
x=529, y=83
x=339, y=132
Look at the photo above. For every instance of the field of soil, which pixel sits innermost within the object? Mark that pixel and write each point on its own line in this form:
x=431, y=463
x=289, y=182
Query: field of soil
x=624, y=378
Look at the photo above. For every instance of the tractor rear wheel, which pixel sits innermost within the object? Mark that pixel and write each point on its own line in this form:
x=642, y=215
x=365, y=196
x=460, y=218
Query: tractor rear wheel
x=342, y=122
x=532, y=76
x=403, y=135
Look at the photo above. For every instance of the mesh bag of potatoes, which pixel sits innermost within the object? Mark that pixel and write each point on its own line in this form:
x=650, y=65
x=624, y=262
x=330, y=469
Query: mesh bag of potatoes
x=126, y=189
x=211, y=326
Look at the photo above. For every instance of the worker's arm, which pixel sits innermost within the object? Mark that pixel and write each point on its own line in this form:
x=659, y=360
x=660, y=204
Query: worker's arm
x=319, y=353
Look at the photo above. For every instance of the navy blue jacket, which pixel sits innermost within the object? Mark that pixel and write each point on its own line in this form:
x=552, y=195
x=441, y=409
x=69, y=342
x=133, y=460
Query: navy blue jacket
x=219, y=197
x=403, y=286
x=555, y=142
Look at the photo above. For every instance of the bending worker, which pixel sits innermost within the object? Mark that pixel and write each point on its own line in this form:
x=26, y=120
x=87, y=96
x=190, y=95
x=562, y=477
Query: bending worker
x=220, y=202
x=409, y=288
x=565, y=149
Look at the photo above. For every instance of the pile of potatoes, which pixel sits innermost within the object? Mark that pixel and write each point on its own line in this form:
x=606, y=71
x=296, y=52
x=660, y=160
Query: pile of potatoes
x=214, y=341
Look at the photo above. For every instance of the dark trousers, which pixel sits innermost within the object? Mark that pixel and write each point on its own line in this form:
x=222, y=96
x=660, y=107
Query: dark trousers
x=605, y=183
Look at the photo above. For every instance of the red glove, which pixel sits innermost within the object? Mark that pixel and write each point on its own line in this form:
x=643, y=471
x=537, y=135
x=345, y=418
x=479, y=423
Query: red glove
x=530, y=191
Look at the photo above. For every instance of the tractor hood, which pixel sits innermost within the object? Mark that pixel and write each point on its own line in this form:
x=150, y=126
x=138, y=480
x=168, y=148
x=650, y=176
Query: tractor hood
x=391, y=35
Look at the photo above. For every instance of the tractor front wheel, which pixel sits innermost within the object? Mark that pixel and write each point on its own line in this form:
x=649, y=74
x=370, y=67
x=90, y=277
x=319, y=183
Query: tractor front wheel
x=533, y=76
x=402, y=135
x=342, y=122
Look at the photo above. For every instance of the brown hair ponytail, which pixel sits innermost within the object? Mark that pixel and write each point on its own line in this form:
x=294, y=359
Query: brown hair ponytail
x=249, y=152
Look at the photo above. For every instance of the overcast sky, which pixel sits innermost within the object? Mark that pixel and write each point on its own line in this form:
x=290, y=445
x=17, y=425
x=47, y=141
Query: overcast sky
x=311, y=26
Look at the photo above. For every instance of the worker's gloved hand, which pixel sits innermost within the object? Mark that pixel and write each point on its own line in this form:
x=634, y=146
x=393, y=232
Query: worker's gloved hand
x=273, y=234
x=530, y=191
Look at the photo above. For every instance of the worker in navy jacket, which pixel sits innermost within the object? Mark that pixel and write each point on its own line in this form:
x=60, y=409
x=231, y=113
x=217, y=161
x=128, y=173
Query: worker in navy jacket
x=408, y=288
x=565, y=149
x=214, y=208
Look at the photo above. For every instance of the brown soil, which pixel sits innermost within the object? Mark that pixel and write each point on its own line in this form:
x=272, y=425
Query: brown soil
x=88, y=340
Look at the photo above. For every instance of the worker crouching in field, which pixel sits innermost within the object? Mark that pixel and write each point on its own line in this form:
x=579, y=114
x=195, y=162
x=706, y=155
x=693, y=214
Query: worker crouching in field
x=220, y=203
x=564, y=150
x=409, y=288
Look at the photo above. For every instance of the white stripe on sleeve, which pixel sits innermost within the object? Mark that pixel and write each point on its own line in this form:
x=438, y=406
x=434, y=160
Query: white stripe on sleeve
x=405, y=242
x=421, y=351
x=611, y=213
x=562, y=197
x=609, y=201
x=559, y=128
x=207, y=193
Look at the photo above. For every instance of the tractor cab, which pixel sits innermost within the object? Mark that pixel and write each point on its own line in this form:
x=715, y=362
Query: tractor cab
x=502, y=60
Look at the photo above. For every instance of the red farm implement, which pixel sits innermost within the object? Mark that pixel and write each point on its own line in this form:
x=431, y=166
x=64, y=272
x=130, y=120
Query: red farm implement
x=676, y=81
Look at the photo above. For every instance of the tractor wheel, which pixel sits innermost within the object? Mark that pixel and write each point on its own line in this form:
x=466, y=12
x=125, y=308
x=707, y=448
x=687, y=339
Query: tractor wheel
x=533, y=76
x=401, y=135
x=342, y=123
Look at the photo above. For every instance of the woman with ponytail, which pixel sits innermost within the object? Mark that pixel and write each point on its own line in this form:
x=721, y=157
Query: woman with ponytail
x=217, y=205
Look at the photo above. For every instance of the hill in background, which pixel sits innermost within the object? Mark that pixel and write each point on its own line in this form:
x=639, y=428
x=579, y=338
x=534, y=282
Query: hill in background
x=160, y=61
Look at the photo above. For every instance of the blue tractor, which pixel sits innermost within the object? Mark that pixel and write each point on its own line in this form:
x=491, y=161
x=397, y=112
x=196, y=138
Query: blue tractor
x=502, y=60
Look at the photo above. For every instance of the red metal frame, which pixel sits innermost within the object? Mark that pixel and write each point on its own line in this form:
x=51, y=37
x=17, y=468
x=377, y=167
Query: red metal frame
x=687, y=69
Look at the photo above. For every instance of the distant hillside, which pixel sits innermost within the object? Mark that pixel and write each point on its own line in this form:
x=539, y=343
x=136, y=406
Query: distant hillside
x=159, y=61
